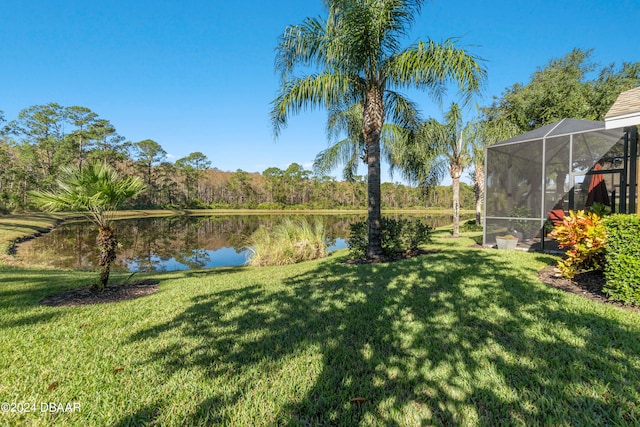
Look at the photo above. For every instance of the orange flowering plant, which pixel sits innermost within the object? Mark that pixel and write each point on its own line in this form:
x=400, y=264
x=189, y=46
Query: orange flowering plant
x=585, y=235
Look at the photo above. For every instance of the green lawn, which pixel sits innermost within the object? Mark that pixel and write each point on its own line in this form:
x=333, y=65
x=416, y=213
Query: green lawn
x=460, y=337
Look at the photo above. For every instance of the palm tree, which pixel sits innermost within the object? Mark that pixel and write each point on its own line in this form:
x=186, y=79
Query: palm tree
x=450, y=141
x=357, y=50
x=483, y=133
x=98, y=190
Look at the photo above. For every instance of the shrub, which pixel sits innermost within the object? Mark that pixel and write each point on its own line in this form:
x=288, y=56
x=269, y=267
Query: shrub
x=296, y=207
x=289, y=242
x=414, y=233
x=585, y=235
x=220, y=205
x=398, y=235
x=471, y=226
x=194, y=203
x=270, y=206
x=623, y=258
x=358, y=238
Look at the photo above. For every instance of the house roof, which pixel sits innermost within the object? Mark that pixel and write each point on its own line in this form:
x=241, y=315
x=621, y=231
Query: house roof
x=559, y=128
x=625, y=111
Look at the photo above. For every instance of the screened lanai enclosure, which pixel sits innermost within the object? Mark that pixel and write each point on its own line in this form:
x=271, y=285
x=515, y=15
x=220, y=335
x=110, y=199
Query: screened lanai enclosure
x=534, y=179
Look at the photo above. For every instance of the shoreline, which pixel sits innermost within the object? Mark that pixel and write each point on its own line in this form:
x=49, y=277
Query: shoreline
x=19, y=228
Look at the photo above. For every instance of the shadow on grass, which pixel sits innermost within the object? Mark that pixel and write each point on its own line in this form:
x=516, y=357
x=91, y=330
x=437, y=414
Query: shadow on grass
x=21, y=291
x=20, y=287
x=211, y=271
x=29, y=320
x=455, y=338
x=142, y=417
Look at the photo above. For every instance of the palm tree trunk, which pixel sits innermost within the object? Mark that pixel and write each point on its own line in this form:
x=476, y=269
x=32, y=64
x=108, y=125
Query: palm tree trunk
x=456, y=172
x=107, y=243
x=478, y=189
x=372, y=121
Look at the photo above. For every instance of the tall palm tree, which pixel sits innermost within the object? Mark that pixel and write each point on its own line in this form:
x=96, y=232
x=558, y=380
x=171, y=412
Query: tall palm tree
x=450, y=141
x=98, y=190
x=483, y=133
x=357, y=50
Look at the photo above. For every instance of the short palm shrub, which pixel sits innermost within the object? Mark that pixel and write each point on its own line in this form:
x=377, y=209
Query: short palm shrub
x=585, y=235
x=622, y=270
x=289, y=242
x=398, y=236
x=97, y=190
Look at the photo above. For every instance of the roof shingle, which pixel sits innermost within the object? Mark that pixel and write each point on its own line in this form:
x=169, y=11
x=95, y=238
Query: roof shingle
x=628, y=102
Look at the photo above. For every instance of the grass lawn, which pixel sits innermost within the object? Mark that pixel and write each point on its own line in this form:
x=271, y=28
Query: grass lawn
x=461, y=337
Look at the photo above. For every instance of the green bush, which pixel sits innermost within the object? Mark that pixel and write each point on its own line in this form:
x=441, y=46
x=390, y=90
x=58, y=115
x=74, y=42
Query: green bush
x=194, y=203
x=220, y=205
x=622, y=270
x=470, y=226
x=296, y=207
x=398, y=236
x=358, y=238
x=289, y=242
x=271, y=206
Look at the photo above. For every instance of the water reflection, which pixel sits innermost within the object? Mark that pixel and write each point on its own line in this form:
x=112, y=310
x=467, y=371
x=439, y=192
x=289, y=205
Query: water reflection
x=173, y=243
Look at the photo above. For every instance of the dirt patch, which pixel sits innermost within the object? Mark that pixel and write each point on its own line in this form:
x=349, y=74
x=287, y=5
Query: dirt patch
x=588, y=285
x=391, y=258
x=112, y=293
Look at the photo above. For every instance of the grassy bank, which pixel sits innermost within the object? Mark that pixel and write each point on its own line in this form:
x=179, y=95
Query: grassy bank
x=460, y=337
x=16, y=227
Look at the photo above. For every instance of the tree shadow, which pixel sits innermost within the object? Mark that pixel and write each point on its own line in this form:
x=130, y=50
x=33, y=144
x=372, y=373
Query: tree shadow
x=28, y=320
x=211, y=271
x=20, y=294
x=455, y=337
x=28, y=286
x=142, y=417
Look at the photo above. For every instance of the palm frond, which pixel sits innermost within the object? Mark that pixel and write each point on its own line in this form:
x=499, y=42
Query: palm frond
x=417, y=163
x=346, y=152
x=97, y=189
x=432, y=66
x=303, y=45
x=310, y=92
x=344, y=119
x=370, y=31
x=401, y=110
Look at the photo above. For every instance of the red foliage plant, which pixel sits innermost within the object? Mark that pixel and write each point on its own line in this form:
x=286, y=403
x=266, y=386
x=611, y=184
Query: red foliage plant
x=585, y=235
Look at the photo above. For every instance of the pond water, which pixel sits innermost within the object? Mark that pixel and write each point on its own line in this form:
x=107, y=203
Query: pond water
x=177, y=242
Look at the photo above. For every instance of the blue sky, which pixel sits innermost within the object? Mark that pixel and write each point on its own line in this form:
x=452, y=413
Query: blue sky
x=198, y=75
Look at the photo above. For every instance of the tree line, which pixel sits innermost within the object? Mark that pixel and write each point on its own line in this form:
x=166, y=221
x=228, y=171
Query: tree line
x=35, y=146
